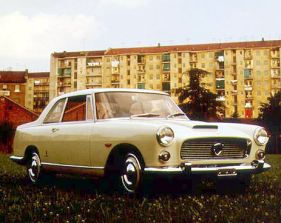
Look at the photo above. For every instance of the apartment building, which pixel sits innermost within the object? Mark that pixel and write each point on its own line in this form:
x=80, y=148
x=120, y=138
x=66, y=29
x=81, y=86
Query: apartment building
x=30, y=90
x=243, y=74
x=37, y=91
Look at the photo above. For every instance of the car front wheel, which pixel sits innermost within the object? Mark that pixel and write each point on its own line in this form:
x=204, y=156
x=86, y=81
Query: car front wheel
x=34, y=168
x=131, y=173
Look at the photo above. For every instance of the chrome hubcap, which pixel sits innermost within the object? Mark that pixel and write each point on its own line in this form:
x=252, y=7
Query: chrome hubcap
x=34, y=168
x=131, y=173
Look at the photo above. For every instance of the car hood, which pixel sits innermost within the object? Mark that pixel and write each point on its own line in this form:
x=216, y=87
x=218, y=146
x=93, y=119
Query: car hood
x=183, y=128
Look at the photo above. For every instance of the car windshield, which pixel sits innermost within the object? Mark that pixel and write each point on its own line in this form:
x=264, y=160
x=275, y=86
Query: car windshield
x=136, y=105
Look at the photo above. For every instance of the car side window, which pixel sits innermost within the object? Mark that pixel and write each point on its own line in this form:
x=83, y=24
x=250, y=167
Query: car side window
x=55, y=113
x=75, y=109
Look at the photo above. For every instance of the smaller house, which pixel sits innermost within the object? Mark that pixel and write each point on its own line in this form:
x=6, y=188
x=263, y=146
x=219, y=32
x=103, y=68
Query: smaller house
x=15, y=114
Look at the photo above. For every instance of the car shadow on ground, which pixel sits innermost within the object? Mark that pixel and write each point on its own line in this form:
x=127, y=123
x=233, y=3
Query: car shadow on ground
x=151, y=188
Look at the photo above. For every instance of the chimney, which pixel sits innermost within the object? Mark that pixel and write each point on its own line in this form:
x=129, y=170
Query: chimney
x=158, y=45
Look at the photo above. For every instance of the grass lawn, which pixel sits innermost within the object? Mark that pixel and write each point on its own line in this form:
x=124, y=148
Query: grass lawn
x=68, y=199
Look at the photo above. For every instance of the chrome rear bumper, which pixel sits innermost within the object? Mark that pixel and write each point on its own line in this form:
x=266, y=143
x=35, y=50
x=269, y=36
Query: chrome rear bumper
x=257, y=166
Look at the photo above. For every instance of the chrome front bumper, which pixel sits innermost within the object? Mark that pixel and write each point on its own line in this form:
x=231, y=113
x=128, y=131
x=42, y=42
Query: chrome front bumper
x=257, y=166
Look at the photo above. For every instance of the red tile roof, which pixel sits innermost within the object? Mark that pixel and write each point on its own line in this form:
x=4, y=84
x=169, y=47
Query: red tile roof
x=38, y=74
x=13, y=76
x=77, y=54
x=195, y=47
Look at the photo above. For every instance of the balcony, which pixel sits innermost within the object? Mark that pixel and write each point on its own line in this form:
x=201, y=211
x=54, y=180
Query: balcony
x=248, y=88
x=248, y=64
x=166, y=58
x=219, y=74
x=64, y=72
x=166, y=86
x=141, y=85
x=275, y=63
x=65, y=64
x=94, y=75
x=248, y=55
x=275, y=53
x=115, y=70
x=115, y=81
x=219, y=56
x=166, y=67
x=276, y=86
x=166, y=77
x=141, y=59
x=220, y=98
x=64, y=84
x=233, y=82
x=249, y=96
x=248, y=105
x=248, y=74
x=115, y=63
x=141, y=78
x=93, y=63
x=234, y=92
x=193, y=57
x=220, y=66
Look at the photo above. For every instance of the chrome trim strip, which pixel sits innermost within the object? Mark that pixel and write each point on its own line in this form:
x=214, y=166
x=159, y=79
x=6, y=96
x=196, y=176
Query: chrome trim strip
x=72, y=166
x=163, y=169
x=16, y=157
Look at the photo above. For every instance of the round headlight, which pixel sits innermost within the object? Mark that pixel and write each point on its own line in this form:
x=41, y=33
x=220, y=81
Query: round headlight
x=165, y=136
x=260, y=136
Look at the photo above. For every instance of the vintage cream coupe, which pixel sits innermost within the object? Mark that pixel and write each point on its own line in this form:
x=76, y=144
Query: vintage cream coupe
x=129, y=133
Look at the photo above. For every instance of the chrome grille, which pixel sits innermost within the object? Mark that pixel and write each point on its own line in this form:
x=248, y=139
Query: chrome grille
x=201, y=148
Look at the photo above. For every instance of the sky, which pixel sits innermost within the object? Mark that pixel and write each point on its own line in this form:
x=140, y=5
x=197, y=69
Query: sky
x=31, y=30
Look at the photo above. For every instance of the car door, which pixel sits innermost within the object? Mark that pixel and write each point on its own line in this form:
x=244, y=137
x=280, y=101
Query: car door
x=69, y=141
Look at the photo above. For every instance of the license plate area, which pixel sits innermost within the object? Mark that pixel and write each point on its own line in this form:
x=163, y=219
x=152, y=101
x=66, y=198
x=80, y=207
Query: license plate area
x=226, y=172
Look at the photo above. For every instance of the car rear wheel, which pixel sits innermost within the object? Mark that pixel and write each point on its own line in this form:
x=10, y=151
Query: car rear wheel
x=34, y=168
x=131, y=173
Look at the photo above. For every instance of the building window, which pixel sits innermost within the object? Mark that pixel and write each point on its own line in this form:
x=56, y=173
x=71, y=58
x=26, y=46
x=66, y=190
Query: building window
x=4, y=87
x=166, y=67
x=166, y=57
x=203, y=64
x=150, y=67
x=17, y=88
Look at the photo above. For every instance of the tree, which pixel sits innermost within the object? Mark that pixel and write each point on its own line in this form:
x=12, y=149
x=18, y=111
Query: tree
x=198, y=102
x=270, y=112
x=235, y=115
x=6, y=135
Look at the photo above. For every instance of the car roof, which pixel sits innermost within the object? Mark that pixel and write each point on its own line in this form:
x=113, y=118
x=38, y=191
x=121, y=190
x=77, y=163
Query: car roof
x=99, y=90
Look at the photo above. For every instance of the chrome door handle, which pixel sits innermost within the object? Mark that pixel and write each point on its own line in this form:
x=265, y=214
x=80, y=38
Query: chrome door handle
x=55, y=129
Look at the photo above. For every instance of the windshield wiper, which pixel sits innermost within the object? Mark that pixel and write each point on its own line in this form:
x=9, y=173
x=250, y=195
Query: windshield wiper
x=175, y=115
x=145, y=115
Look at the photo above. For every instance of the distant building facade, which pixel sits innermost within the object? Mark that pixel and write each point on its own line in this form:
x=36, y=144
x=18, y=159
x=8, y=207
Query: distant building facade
x=30, y=90
x=13, y=84
x=37, y=91
x=243, y=74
